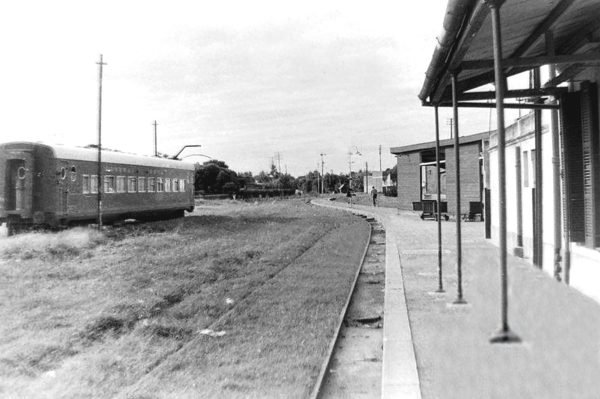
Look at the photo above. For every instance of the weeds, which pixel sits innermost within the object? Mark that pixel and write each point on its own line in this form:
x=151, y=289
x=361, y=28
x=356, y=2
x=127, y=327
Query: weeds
x=112, y=307
x=66, y=244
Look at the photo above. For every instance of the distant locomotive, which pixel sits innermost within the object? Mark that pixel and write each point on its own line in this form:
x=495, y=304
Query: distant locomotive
x=52, y=185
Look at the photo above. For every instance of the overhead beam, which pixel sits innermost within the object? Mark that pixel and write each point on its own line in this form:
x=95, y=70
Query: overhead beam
x=541, y=29
x=525, y=93
x=533, y=62
x=567, y=74
x=581, y=37
x=464, y=104
x=479, y=15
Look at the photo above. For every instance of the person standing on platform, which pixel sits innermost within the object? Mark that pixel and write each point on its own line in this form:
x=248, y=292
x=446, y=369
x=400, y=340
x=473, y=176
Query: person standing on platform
x=374, y=195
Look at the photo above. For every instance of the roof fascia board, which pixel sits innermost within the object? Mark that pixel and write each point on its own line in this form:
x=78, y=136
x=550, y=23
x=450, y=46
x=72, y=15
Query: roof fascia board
x=456, y=12
x=460, y=48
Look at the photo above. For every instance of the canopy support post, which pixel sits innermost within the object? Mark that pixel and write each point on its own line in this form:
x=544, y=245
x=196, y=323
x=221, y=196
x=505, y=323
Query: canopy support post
x=504, y=335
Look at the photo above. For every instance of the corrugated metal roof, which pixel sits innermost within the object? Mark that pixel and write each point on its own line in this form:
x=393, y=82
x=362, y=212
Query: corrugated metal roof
x=524, y=23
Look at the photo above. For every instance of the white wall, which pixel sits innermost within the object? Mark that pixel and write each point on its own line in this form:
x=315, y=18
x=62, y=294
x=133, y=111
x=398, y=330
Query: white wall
x=520, y=135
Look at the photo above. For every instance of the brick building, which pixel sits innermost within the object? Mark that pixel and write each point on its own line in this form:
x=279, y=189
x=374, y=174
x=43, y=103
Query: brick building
x=417, y=173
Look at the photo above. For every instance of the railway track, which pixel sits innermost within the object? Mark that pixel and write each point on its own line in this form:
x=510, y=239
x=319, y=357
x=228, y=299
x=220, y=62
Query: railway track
x=353, y=367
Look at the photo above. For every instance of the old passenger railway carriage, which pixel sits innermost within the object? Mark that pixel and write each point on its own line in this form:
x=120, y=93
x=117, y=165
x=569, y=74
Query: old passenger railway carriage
x=53, y=185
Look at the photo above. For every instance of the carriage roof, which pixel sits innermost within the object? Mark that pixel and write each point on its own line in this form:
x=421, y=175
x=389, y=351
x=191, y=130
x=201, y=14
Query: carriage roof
x=91, y=155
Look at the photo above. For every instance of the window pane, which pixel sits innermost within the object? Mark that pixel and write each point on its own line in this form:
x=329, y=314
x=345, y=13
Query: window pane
x=131, y=183
x=167, y=185
x=151, y=184
x=141, y=184
x=160, y=185
x=120, y=184
x=85, y=183
x=109, y=184
x=94, y=184
x=182, y=185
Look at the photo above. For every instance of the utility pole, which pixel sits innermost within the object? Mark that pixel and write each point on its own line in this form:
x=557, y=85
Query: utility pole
x=367, y=176
x=272, y=164
x=317, y=178
x=100, y=185
x=322, y=174
x=155, y=140
x=278, y=156
x=380, y=170
x=450, y=122
x=350, y=153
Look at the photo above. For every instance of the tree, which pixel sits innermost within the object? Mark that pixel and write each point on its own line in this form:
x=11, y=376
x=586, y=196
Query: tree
x=393, y=171
x=284, y=182
x=357, y=181
x=263, y=177
x=245, y=178
x=213, y=175
x=274, y=173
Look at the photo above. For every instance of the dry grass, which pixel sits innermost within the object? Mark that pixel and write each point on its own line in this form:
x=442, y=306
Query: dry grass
x=89, y=315
x=68, y=243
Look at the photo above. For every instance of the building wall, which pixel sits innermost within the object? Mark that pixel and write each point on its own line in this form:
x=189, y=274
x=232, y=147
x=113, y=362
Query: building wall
x=375, y=179
x=470, y=177
x=409, y=180
x=585, y=262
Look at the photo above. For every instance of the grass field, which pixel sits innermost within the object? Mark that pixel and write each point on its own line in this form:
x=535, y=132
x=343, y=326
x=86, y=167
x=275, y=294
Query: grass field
x=234, y=300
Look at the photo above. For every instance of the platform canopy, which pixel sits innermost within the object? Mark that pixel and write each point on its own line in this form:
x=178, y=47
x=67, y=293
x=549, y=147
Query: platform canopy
x=534, y=33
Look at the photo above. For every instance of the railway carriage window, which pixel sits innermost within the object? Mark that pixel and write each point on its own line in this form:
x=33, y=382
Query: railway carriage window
x=167, y=185
x=109, y=184
x=63, y=173
x=160, y=185
x=175, y=185
x=131, y=184
x=151, y=184
x=141, y=184
x=73, y=173
x=182, y=185
x=85, y=184
x=121, y=184
x=94, y=184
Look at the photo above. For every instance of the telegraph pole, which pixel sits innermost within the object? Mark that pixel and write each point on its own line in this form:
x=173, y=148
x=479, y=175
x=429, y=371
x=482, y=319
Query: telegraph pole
x=322, y=174
x=155, y=140
x=279, y=161
x=317, y=179
x=100, y=185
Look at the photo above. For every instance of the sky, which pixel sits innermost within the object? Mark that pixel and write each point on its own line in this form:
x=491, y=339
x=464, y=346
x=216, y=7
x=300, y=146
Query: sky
x=253, y=83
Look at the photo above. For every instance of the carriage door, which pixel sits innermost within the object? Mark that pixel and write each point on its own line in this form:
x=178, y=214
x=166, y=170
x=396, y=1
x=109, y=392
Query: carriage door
x=63, y=189
x=15, y=185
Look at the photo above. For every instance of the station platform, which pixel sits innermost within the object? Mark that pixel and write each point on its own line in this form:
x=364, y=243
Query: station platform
x=434, y=348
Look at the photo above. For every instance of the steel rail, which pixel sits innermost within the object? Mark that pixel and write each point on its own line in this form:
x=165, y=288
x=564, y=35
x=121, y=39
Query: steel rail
x=317, y=389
